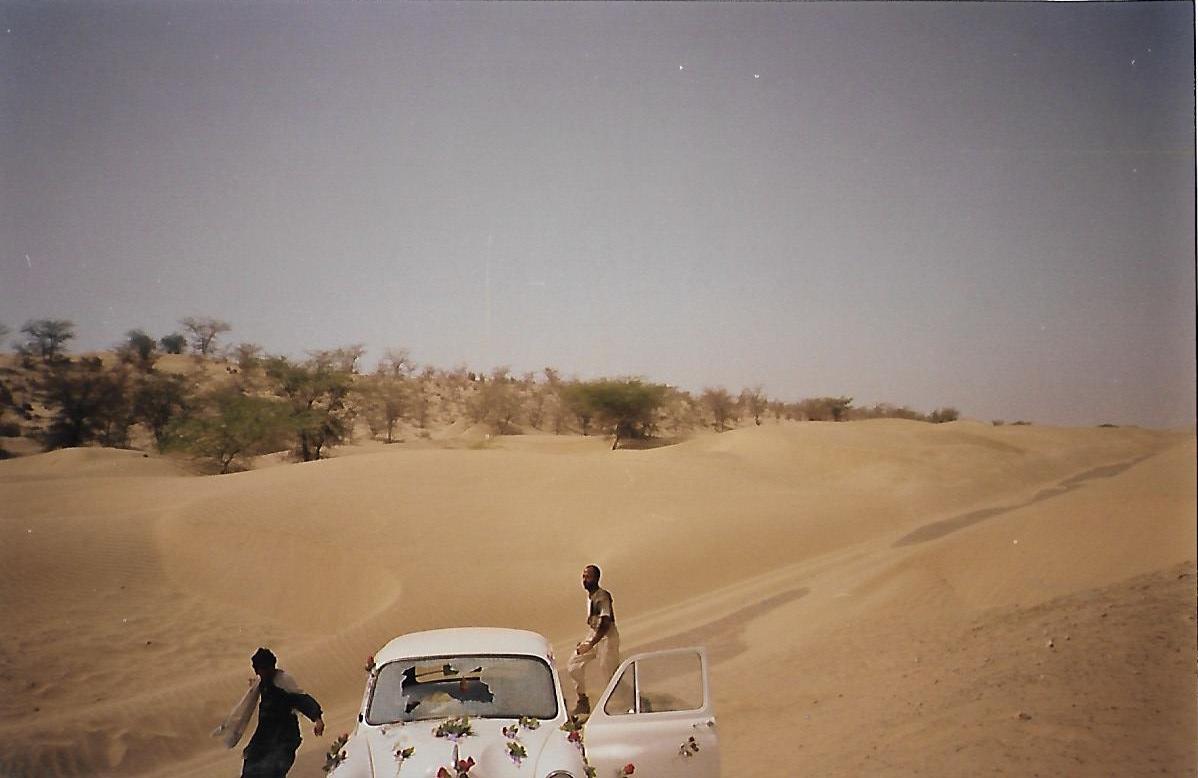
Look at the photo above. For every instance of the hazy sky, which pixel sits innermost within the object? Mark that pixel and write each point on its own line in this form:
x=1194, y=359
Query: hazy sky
x=989, y=206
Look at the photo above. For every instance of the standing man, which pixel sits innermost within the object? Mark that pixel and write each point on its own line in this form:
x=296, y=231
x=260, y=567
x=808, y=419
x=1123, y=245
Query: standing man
x=271, y=751
x=603, y=642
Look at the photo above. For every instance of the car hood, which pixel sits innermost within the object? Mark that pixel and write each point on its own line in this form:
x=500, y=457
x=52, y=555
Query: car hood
x=487, y=746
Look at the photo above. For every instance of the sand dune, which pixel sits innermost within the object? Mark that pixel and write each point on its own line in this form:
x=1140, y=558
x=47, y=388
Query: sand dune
x=877, y=596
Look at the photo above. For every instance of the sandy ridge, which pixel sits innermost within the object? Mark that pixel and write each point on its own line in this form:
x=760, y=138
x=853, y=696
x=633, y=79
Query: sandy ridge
x=771, y=545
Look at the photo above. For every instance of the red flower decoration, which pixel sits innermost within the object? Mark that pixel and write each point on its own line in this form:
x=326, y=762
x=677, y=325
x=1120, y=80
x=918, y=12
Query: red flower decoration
x=443, y=773
x=464, y=765
x=629, y=769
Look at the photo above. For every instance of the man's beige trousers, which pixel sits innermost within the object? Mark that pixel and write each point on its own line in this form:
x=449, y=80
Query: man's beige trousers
x=607, y=651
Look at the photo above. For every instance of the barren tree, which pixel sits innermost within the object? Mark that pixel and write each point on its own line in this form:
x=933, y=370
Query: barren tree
x=45, y=337
x=419, y=403
x=248, y=356
x=386, y=402
x=535, y=396
x=720, y=405
x=557, y=403
x=754, y=402
x=397, y=362
x=343, y=358
x=495, y=403
x=204, y=331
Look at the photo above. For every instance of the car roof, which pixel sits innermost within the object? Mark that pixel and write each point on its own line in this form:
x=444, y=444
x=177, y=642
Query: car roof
x=464, y=640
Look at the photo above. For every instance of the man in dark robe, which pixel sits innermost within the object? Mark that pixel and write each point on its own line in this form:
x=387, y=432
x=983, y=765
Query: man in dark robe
x=271, y=751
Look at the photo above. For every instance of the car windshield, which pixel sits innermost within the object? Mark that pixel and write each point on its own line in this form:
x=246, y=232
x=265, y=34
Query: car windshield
x=444, y=686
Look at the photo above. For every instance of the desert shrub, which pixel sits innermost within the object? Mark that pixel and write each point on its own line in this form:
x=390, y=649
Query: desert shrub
x=420, y=405
x=88, y=404
x=624, y=407
x=556, y=411
x=397, y=363
x=138, y=349
x=826, y=408
x=888, y=411
x=159, y=401
x=317, y=395
x=7, y=398
x=173, y=343
x=496, y=402
x=386, y=398
x=575, y=404
x=231, y=427
x=535, y=400
x=247, y=356
x=720, y=405
x=942, y=415
x=753, y=402
x=680, y=411
x=342, y=359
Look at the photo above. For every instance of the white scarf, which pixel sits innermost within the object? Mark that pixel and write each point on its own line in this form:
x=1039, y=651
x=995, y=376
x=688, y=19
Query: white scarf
x=238, y=720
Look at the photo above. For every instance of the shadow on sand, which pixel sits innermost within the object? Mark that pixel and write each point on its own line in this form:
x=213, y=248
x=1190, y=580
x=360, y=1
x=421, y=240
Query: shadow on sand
x=723, y=636
x=939, y=529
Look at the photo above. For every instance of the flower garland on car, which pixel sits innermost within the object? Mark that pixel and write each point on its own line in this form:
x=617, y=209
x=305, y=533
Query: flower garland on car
x=515, y=749
x=573, y=730
x=456, y=729
x=336, y=753
x=461, y=768
x=403, y=754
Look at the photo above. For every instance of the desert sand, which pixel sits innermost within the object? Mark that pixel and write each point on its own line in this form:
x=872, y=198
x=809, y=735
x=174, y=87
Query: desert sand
x=878, y=598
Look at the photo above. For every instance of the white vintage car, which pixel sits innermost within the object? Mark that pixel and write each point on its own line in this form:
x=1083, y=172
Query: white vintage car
x=484, y=703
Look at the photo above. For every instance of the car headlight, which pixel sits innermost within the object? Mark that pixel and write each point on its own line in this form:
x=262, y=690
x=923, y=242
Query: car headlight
x=560, y=774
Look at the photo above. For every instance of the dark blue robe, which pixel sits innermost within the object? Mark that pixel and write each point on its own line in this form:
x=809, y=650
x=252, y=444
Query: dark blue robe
x=271, y=751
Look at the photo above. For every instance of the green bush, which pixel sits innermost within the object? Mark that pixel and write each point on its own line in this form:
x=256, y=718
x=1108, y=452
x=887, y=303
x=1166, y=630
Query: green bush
x=233, y=427
x=624, y=407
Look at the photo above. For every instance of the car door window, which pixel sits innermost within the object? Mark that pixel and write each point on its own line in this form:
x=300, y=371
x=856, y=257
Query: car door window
x=656, y=715
x=654, y=684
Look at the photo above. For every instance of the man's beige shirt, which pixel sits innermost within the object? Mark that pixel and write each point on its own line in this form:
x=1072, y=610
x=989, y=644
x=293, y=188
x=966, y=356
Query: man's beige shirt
x=598, y=606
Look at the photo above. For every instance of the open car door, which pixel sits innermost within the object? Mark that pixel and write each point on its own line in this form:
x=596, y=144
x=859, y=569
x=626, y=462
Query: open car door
x=656, y=714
